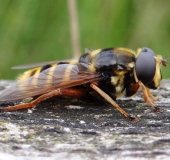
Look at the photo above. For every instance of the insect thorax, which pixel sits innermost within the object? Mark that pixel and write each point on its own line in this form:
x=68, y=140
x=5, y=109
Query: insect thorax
x=115, y=65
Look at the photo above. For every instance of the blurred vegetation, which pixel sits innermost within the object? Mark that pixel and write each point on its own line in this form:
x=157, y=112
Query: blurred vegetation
x=38, y=30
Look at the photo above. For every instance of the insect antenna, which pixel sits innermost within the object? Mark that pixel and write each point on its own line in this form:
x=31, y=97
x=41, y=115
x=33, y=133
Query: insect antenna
x=165, y=62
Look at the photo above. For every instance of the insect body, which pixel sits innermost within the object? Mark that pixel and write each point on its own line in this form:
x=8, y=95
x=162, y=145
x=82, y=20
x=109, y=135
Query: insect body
x=111, y=73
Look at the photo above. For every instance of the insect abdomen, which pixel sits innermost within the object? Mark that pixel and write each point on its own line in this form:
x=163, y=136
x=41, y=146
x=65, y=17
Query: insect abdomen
x=34, y=71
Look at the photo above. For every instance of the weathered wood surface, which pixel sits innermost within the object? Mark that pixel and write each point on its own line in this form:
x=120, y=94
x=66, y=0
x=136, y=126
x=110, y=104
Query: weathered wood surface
x=69, y=129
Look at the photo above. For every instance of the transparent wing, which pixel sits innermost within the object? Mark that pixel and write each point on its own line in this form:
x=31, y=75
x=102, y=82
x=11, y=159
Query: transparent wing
x=39, y=64
x=87, y=50
x=60, y=76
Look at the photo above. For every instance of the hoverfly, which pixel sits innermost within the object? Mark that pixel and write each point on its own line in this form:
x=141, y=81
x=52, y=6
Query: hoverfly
x=111, y=73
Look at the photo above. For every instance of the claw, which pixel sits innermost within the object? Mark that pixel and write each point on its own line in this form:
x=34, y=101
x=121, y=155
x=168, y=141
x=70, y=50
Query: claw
x=158, y=110
x=133, y=119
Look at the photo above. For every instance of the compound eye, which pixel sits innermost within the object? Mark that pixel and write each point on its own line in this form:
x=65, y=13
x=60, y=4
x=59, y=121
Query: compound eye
x=145, y=66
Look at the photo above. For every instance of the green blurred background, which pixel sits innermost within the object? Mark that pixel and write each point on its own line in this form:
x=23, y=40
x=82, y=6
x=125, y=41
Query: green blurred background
x=39, y=30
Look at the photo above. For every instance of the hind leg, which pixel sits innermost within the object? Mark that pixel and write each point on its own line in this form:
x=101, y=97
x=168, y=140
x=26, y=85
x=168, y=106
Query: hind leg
x=65, y=92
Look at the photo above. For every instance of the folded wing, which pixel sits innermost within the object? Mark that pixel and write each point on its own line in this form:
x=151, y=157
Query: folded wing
x=60, y=76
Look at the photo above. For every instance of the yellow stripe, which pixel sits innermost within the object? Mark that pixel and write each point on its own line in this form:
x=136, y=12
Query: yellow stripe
x=28, y=74
x=125, y=51
x=94, y=53
x=50, y=74
x=38, y=70
x=157, y=76
x=67, y=72
x=34, y=81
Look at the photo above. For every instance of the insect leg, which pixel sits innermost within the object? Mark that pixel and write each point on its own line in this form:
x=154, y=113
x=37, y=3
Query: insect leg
x=65, y=92
x=111, y=101
x=150, y=95
x=147, y=94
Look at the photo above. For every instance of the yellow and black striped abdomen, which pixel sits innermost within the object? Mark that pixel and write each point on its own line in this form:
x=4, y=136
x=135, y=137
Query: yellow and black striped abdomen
x=34, y=71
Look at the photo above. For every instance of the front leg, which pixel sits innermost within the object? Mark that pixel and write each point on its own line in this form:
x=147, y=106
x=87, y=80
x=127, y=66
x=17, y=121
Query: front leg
x=146, y=94
x=150, y=95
